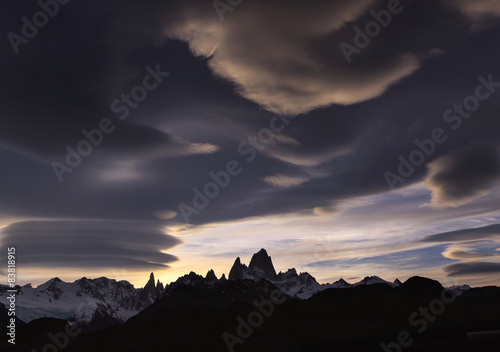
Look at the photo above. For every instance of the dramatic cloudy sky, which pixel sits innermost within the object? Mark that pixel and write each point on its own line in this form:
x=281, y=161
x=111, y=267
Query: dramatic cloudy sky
x=342, y=154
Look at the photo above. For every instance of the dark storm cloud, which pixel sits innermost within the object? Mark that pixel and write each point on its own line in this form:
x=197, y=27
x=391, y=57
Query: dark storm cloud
x=463, y=176
x=87, y=244
x=472, y=269
x=65, y=79
x=295, y=69
x=490, y=231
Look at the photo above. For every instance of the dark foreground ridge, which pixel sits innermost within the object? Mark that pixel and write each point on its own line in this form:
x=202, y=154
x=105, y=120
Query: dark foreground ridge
x=198, y=313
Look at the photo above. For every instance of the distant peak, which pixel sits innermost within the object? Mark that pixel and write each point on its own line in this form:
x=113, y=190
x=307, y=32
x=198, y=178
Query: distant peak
x=151, y=282
x=396, y=283
x=237, y=270
x=211, y=277
x=55, y=280
x=261, y=260
x=342, y=283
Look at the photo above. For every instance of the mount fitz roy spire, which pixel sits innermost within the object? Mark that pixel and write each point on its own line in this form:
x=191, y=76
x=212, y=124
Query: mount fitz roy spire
x=261, y=264
x=261, y=267
x=301, y=285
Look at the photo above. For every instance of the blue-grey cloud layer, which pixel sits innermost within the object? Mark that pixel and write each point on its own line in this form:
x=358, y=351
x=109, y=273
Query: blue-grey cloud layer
x=87, y=244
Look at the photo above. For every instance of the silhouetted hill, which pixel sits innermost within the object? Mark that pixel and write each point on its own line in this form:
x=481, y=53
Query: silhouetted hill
x=482, y=292
x=355, y=319
x=422, y=286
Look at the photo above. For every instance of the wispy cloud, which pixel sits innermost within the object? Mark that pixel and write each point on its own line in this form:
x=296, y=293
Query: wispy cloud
x=90, y=244
x=283, y=181
x=472, y=269
x=463, y=176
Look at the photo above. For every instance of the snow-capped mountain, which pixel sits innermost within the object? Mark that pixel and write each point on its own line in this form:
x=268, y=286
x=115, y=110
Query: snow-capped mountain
x=195, y=290
x=89, y=303
x=458, y=290
x=339, y=284
x=296, y=285
x=290, y=282
x=396, y=283
x=372, y=280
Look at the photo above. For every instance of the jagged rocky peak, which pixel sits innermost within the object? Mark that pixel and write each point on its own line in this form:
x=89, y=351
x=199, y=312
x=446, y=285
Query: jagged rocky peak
x=151, y=286
x=151, y=282
x=340, y=284
x=53, y=282
x=190, y=277
x=152, y=291
x=307, y=279
x=292, y=276
x=288, y=274
x=238, y=270
x=396, y=283
x=211, y=277
x=262, y=265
